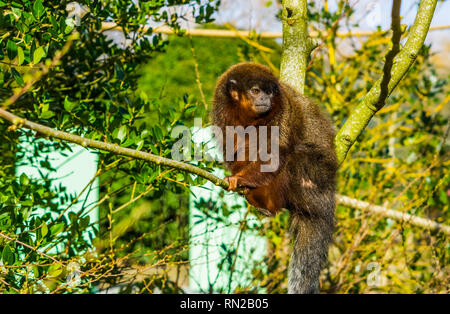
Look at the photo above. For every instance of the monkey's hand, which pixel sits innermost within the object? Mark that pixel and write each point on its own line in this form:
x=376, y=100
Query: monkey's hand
x=236, y=182
x=233, y=182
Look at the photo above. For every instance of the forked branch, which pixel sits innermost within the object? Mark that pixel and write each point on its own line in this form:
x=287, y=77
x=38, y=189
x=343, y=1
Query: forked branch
x=397, y=64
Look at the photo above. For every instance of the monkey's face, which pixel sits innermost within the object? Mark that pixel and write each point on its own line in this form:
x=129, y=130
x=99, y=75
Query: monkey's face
x=256, y=97
x=261, y=100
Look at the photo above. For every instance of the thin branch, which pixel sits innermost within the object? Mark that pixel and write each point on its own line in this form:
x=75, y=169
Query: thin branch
x=393, y=214
x=330, y=34
x=31, y=248
x=113, y=148
x=396, y=36
x=197, y=72
x=247, y=39
x=221, y=33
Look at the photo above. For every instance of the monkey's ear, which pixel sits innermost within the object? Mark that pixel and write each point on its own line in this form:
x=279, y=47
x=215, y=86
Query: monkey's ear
x=233, y=89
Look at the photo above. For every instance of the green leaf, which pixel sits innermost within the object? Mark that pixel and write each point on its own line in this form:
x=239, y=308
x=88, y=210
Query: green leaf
x=143, y=95
x=190, y=109
x=3, y=199
x=119, y=73
x=27, y=203
x=69, y=26
x=68, y=105
x=38, y=8
x=128, y=142
x=55, y=229
x=225, y=211
x=443, y=197
x=17, y=77
x=27, y=39
x=8, y=256
x=24, y=180
x=44, y=230
x=73, y=217
x=154, y=149
x=55, y=270
x=140, y=144
x=84, y=222
x=47, y=115
x=11, y=48
x=38, y=54
x=180, y=177
x=158, y=132
x=20, y=55
x=17, y=12
x=122, y=133
x=35, y=271
x=145, y=134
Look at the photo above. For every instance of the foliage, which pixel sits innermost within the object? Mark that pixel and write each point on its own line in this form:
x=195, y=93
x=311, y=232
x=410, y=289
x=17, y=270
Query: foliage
x=91, y=92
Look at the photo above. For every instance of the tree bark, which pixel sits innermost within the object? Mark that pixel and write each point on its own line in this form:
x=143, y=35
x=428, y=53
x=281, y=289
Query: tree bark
x=297, y=44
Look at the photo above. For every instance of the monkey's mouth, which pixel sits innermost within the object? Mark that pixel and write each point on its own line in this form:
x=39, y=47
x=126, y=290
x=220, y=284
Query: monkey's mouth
x=262, y=108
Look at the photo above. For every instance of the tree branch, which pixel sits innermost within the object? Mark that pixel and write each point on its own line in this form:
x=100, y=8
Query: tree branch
x=297, y=45
x=19, y=122
x=393, y=214
x=375, y=99
x=223, y=33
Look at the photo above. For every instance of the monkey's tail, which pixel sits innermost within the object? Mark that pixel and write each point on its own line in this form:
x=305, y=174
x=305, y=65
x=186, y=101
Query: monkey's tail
x=313, y=235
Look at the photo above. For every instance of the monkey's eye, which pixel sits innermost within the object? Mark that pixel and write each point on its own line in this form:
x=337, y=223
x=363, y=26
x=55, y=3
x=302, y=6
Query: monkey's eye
x=255, y=90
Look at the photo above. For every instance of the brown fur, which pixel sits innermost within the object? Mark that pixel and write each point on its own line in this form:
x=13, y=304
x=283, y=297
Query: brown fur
x=304, y=182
